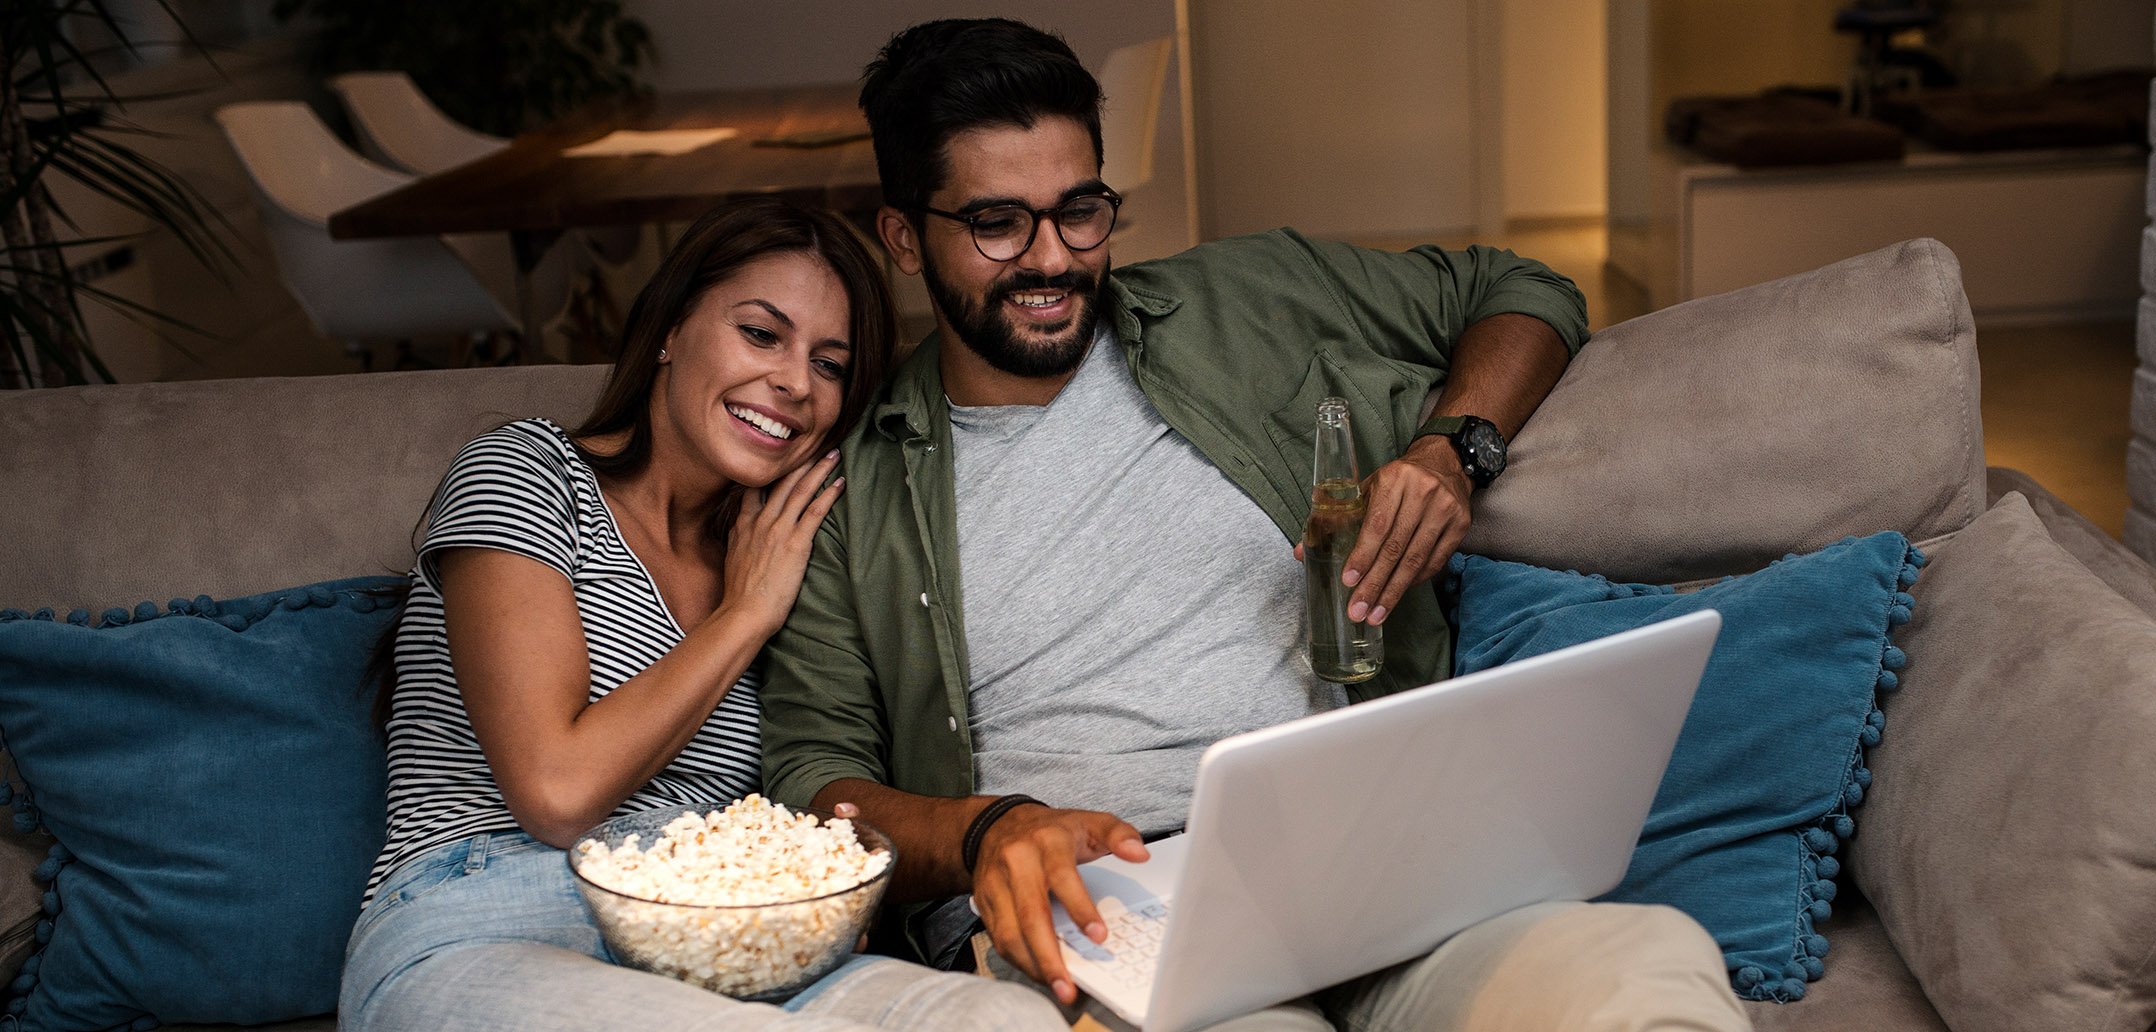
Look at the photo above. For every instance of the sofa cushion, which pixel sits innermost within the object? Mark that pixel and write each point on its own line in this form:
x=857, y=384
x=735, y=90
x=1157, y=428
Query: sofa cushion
x=1871, y=989
x=1803, y=381
x=2103, y=555
x=121, y=493
x=215, y=788
x=1770, y=762
x=2011, y=847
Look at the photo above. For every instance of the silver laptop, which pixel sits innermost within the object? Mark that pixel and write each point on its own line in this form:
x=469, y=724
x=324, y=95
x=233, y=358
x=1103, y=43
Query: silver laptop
x=1345, y=842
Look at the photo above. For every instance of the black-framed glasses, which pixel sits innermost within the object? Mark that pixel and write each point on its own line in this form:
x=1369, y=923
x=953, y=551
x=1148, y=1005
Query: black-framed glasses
x=1002, y=232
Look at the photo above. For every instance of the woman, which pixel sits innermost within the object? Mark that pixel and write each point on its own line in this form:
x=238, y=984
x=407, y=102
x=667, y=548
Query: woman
x=579, y=640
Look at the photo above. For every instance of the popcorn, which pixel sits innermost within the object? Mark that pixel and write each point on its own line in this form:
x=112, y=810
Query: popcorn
x=787, y=872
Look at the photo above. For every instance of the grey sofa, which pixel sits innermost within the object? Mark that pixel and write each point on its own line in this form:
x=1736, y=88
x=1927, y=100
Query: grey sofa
x=2004, y=874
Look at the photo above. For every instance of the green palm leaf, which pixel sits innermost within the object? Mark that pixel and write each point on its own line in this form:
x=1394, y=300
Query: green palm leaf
x=64, y=118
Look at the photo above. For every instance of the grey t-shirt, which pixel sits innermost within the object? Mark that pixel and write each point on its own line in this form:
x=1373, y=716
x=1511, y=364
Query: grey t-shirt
x=1126, y=605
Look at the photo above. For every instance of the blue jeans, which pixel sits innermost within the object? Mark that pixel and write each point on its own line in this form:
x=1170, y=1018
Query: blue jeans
x=490, y=934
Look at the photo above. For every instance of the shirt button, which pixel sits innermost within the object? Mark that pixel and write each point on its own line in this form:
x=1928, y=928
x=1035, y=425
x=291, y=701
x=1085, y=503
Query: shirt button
x=954, y=723
x=924, y=598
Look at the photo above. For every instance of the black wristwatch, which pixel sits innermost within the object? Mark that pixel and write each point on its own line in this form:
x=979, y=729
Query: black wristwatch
x=1480, y=444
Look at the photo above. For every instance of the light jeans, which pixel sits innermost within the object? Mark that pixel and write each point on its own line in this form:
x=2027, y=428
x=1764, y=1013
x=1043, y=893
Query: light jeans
x=490, y=934
x=1578, y=967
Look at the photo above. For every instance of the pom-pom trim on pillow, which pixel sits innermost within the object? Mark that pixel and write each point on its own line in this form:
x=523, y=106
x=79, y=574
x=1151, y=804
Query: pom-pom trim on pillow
x=1774, y=971
x=234, y=615
x=1819, y=866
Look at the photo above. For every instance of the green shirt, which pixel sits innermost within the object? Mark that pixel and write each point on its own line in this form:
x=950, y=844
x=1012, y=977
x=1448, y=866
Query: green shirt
x=1234, y=342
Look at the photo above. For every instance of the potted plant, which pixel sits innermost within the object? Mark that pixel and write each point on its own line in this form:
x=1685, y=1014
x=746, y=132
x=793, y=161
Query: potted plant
x=60, y=116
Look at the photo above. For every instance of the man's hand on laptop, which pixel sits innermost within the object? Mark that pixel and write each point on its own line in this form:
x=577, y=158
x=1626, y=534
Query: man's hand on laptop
x=1031, y=854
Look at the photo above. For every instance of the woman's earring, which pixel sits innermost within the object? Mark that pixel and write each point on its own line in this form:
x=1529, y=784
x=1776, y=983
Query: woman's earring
x=662, y=354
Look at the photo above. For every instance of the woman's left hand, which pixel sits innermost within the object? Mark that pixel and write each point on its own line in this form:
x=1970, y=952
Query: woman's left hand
x=767, y=551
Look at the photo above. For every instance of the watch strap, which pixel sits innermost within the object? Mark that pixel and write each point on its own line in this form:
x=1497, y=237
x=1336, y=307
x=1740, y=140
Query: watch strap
x=1444, y=426
x=1452, y=429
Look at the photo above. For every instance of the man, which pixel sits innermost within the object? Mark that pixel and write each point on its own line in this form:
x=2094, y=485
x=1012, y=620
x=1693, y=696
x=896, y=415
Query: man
x=1062, y=566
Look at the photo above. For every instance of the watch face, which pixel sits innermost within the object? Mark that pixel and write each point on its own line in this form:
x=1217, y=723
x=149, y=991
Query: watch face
x=1488, y=448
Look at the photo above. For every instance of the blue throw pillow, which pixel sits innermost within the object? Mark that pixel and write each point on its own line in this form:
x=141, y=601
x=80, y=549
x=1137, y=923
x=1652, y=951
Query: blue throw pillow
x=1757, y=798
x=216, y=788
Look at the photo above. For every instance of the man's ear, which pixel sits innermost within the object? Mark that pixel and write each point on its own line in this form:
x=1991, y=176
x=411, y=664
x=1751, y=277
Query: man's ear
x=899, y=239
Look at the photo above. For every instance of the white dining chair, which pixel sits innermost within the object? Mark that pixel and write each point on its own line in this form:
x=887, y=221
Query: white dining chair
x=398, y=126
x=357, y=291
x=1132, y=80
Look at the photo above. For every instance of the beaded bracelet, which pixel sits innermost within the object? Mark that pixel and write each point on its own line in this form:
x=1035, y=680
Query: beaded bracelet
x=970, y=851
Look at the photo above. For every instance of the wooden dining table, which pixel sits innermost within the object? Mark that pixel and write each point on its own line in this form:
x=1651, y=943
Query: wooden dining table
x=808, y=144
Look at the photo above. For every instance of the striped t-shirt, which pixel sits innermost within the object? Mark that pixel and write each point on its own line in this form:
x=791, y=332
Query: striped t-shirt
x=523, y=489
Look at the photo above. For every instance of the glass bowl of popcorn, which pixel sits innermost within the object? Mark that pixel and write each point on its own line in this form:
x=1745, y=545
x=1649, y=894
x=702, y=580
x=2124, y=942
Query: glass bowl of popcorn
x=750, y=899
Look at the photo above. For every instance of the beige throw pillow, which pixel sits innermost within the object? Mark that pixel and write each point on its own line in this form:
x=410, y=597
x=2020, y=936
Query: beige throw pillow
x=1716, y=436
x=2010, y=844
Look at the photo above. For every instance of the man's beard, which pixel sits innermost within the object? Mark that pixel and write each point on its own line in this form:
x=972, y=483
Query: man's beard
x=990, y=333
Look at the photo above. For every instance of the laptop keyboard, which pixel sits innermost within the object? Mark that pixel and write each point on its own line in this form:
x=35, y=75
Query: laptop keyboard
x=1133, y=946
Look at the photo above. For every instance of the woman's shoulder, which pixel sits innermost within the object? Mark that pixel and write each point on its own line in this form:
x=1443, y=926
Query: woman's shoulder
x=513, y=485
x=536, y=439
x=527, y=450
x=536, y=433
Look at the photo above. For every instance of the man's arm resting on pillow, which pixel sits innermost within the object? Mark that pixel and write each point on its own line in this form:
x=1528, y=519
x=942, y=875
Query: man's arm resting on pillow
x=1502, y=368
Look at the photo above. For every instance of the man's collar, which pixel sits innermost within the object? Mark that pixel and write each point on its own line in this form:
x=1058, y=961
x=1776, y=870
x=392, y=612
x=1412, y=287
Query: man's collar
x=1127, y=303
x=916, y=400
x=916, y=393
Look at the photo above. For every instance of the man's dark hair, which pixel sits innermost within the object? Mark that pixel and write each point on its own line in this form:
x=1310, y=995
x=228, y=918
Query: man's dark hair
x=941, y=78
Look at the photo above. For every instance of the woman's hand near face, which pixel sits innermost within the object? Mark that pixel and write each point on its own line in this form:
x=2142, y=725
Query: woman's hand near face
x=562, y=761
x=768, y=549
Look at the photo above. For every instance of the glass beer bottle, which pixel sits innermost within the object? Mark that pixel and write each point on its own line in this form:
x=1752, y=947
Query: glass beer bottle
x=1341, y=649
